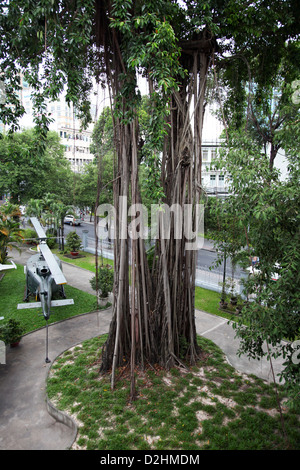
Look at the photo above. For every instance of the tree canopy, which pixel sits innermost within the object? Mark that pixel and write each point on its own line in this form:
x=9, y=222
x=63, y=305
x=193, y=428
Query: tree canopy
x=27, y=173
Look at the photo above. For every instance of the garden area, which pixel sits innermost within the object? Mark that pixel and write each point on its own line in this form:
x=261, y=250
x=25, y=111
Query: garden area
x=12, y=288
x=209, y=406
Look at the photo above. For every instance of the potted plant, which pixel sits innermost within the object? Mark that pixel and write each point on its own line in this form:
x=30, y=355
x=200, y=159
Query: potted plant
x=73, y=243
x=12, y=332
x=105, y=283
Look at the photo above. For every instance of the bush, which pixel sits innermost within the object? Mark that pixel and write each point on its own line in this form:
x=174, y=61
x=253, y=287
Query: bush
x=31, y=234
x=11, y=332
x=51, y=237
x=105, y=280
x=73, y=241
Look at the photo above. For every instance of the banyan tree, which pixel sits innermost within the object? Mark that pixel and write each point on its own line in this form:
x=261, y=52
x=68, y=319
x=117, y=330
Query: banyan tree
x=153, y=311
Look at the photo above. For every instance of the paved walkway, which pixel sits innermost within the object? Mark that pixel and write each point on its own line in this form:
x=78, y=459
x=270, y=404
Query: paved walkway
x=25, y=419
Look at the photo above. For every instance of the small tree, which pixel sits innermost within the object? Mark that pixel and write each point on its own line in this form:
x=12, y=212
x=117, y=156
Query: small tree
x=73, y=242
x=268, y=209
x=59, y=211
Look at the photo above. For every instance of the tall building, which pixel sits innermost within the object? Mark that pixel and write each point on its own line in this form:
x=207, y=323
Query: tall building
x=66, y=123
x=75, y=140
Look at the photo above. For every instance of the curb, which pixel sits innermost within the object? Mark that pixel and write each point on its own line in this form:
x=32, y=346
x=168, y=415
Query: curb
x=62, y=417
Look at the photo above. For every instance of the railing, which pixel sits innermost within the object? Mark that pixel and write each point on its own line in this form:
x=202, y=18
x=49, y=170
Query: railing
x=205, y=278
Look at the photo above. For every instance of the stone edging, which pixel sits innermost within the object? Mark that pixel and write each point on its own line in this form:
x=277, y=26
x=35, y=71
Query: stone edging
x=62, y=417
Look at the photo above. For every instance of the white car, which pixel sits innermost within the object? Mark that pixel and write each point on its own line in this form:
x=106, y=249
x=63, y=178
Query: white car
x=72, y=220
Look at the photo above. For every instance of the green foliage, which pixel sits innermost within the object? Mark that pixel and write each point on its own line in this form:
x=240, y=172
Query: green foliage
x=10, y=232
x=12, y=331
x=50, y=212
x=46, y=33
x=73, y=241
x=27, y=173
x=268, y=214
x=105, y=280
x=51, y=238
x=103, y=134
x=30, y=236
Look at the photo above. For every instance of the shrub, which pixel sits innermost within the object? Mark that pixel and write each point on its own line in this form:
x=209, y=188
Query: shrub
x=73, y=241
x=11, y=332
x=30, y=236
x=105, y=280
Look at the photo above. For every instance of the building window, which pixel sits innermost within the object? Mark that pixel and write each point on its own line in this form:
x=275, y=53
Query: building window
x=205, y=155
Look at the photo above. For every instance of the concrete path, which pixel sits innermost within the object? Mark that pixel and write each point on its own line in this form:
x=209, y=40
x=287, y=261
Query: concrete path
x=220, y=331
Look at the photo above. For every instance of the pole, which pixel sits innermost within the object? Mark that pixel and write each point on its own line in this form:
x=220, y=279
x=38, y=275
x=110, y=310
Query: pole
x=47, y=360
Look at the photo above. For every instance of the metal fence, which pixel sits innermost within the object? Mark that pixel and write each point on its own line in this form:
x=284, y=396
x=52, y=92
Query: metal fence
x=206, y=278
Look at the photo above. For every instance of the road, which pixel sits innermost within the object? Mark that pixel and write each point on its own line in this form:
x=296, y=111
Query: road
x=206, y=256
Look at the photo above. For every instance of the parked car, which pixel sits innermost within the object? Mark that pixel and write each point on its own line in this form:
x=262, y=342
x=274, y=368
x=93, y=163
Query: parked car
x=72, y=220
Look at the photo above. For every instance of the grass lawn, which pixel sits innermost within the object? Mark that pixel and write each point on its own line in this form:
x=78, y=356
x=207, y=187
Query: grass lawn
x=12, y=288
x=87, y=262
x=210, y=407
x=207, y=300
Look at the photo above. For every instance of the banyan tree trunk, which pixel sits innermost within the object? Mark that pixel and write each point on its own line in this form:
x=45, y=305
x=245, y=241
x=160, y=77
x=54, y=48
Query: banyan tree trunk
x=153, y=318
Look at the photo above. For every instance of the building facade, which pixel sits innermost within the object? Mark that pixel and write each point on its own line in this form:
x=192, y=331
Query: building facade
x=68, y=126
x=214, y=182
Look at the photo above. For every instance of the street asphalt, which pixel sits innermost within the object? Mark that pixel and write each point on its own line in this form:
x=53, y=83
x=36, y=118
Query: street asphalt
x=28, y=421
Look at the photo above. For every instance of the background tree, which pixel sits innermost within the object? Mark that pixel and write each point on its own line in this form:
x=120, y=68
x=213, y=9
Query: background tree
x=26, y=173
x=268, y=209
x=87, y=188
x=257, y=71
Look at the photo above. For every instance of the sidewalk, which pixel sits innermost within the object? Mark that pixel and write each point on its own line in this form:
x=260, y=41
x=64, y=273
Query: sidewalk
x=25, y=419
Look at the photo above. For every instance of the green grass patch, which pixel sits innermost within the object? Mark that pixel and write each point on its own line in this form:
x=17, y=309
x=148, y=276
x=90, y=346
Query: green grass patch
x=207, y=300
x=12, y=289
x=87, y=261
x=210, y=407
